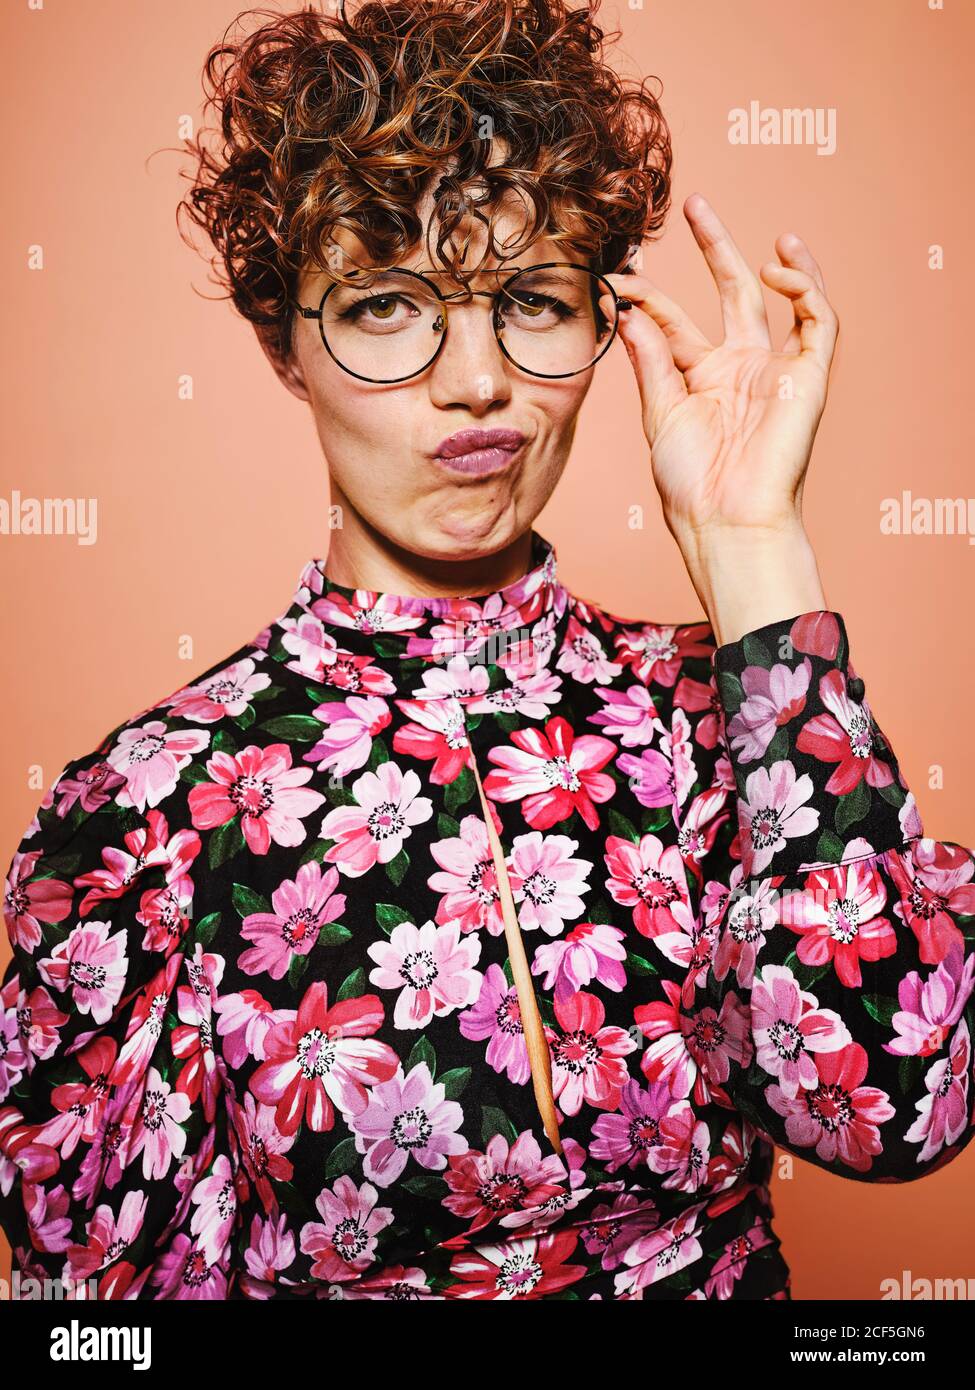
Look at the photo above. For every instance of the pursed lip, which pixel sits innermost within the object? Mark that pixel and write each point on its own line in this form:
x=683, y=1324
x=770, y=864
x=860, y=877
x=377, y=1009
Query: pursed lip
x=469, y=441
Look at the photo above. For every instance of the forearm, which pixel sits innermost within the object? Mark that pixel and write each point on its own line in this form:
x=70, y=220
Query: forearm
x=746, y=579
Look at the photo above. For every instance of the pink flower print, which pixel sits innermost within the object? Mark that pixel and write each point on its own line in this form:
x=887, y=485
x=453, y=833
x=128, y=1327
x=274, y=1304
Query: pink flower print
x=693, y=696
x=432, y=968
x=260, y=786
x=182, y=1273
x=546, y=881
x=748, y=917
x=656, y=652
x=262, y=1147
x=839, y=1116
x=591, y=951
x=714, y=1041
x=80, y=1106
x=496, y=1016
x=554, y=771
x=844, y=735
x=729, y=1267
x=629, y=1135
x=373, y=829
x=627, y=715
x=146, y=1018
x=650, y=879
x=504, y=1179
x=909, y=819
x=322, y=1058
x=89, y=788
x=300, y=908
x=245, y=1021
x=352, y=724
x=614, y=1226
x=47, y=1219
x=151, y=758
x=92, y=964
x=27, y=905
x=934, y=879
x=943, y=1113
x=13, y=1053
x=271, y=1248
x=677, y=746
x=122, y=868
x=584, y=657
x=37, y=1017
x=455, y=680
x=108, y=1236
x=666, y=1055
x=215, y=1200
x=650, y=777
x=530, y=696
x=467, y=879
x=165, y=912
x=307, y=640
x=343, y=1243
x=773, y=698
x=587, y=1058
x=156, y=1132
x=522, y=1268
x=685, y=1149
x=437, y=733
x=226, y=693
x=773, y=811
x=660, y=1253
x=407, y=1115
x=789, y=1028
x=929, y=1011
x=368, y=611
x=837, y=918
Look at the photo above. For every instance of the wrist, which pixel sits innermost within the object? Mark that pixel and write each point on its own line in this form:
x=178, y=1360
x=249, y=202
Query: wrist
x=747, y=577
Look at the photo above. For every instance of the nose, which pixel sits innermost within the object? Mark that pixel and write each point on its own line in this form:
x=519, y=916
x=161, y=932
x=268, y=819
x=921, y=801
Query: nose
x=471, y=369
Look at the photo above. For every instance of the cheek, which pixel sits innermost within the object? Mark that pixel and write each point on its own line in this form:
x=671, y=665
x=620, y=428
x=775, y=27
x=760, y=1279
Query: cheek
x=559, y=402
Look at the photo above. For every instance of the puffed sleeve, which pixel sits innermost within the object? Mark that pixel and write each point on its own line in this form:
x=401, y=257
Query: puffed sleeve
x=839, y=938
x=115, y=1157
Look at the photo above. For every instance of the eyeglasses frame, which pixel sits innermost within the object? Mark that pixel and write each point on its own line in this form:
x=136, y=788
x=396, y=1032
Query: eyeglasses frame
x=620, y=304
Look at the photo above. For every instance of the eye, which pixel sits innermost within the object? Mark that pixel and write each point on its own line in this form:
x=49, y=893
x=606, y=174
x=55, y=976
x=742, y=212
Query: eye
x=377, y=308
x=535, y=306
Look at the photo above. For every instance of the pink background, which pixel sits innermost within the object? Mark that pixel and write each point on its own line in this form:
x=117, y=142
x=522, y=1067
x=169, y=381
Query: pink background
x=208, y=508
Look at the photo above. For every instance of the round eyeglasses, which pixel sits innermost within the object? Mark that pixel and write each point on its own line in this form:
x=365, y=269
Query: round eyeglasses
x=391, y=325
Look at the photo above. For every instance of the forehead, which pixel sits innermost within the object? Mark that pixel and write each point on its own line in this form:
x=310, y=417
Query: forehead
x=506, y=221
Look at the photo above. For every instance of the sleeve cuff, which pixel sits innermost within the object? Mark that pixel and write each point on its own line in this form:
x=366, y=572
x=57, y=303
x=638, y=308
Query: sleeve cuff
x=817, y=781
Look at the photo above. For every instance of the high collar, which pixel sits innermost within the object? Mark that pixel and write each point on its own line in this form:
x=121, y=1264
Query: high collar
x=515, y=627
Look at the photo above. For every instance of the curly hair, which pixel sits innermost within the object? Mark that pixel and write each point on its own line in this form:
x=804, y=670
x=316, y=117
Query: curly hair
x=342, y=121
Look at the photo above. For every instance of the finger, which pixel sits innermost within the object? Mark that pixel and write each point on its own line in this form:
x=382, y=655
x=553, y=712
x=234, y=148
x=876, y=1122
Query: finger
x=660, y=384
x=686, y=341
x=739, y=290
x=793, y=251
x=818, y=324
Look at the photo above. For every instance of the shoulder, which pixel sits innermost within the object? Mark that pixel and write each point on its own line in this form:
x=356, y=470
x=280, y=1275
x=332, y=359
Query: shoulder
x=116, y=821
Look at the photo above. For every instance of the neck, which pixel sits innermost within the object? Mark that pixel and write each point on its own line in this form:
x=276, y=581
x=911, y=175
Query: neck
x=361, y=557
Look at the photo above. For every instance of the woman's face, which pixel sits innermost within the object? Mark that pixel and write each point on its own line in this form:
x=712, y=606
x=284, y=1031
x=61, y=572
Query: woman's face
x=381, y=442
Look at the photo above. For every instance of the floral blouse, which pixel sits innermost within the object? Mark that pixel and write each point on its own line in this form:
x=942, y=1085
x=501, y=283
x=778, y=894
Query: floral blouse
x=261, y=1034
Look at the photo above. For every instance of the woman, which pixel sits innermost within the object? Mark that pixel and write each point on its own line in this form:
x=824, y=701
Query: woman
x=457, y=938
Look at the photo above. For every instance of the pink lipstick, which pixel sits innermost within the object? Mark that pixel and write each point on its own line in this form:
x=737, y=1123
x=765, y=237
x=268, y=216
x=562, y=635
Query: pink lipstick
x=479, y=451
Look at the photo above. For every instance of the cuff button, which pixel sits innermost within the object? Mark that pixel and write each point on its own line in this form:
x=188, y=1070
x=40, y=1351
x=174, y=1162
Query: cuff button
x=855, y=688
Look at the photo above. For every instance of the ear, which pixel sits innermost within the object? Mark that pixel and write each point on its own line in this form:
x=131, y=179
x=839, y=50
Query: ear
x=288, y=371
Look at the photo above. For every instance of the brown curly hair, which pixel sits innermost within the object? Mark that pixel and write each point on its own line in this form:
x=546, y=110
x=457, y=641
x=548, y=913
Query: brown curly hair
x=343, y=120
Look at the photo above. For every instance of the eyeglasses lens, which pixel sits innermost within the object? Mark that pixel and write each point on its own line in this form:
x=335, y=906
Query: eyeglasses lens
x=389, y=326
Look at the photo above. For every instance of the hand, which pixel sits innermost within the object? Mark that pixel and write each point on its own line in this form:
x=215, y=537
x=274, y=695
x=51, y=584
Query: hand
x=731, y=427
